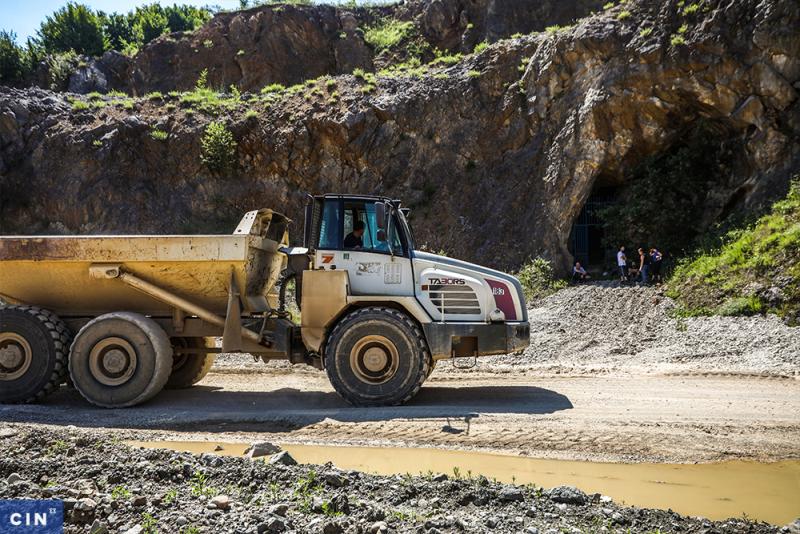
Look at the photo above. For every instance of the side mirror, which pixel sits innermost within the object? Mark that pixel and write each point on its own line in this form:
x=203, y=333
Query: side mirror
x=382, y=212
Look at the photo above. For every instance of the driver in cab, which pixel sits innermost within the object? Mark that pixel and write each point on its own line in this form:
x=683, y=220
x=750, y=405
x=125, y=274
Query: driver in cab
x=355, y=239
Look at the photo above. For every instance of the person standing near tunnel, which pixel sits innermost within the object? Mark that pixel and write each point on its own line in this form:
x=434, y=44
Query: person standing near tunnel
x=622, y=264
x=644, y=265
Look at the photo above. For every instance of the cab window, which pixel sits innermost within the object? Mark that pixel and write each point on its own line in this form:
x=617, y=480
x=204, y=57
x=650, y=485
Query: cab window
x=361, y=230
x=330, y=228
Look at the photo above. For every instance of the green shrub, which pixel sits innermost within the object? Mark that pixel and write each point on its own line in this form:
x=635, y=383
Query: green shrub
x=480, y=47
x=218, y=147
x=12, y=58
x=74, y=27
x=59, y=68
x=158, y=135
x=538, y=280
x=387, y=33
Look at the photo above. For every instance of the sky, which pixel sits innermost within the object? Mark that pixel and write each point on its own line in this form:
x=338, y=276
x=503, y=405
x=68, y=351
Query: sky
x=23, y=17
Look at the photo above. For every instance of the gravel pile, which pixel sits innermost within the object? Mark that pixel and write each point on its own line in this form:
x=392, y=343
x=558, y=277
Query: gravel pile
x=606, y=328
x=109, y=487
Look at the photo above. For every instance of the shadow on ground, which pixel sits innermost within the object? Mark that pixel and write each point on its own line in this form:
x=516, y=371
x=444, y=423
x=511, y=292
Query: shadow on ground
x=210, y=409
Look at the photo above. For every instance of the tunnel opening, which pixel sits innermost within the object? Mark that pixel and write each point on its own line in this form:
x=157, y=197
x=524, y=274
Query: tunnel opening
x=587, y=242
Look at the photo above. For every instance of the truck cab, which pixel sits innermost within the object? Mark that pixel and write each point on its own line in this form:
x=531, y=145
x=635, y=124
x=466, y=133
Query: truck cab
x=463, y=310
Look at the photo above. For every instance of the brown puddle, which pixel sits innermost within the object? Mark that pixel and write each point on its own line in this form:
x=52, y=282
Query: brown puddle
x=764, y=491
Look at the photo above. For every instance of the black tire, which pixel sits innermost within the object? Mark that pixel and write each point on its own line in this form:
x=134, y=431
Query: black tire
x=189, y=369
x=377, y=357
x=120, y=359
x=34, y=344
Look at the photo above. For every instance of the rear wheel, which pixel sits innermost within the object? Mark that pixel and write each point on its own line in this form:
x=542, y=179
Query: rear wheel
x=377, y=357
x=120, y=359
x=189, y=368
x=33, y=353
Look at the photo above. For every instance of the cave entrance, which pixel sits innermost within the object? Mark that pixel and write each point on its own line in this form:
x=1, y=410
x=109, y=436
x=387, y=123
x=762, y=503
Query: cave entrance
x=586, y=238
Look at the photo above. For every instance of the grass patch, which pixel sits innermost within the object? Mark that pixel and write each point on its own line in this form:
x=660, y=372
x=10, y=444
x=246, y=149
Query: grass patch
x=473, y=74
x=677, y=40
x=158, y=135
x=754, y=270
x=624, y=14
x=480, y=47
x=387, y=33
x=645, y=32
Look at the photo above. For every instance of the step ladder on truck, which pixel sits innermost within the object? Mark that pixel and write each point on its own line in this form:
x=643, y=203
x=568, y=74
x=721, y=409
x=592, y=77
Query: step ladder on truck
x=126, y=316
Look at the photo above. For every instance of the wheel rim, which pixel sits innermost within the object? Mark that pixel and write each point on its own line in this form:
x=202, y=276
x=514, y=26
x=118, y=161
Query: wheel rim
x=15, y=356
x=112, y=361
x=374, y=359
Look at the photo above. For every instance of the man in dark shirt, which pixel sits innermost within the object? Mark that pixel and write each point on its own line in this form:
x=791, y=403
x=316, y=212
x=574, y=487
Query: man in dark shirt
x=355, y=238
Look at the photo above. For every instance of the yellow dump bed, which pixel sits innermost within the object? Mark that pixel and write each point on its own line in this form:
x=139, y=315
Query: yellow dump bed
x=53, y=272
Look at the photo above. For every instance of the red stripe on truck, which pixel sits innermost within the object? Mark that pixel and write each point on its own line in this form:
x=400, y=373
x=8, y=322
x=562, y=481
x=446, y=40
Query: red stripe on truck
x=503, y=299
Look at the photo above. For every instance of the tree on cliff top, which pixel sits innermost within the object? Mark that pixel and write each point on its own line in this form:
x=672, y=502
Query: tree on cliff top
x=73, y=27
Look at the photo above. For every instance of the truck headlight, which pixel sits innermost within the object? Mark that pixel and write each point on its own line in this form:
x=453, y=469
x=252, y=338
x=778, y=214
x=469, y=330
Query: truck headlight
x=497, y=316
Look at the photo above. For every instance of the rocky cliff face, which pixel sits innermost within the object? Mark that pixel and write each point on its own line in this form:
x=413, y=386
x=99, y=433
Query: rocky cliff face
x=289, y=44
x=496, y=154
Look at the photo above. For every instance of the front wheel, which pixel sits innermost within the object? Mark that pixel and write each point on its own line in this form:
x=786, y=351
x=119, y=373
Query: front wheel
x=377, y=357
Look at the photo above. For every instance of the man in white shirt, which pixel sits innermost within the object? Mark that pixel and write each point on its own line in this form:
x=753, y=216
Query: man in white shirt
x=622, y=263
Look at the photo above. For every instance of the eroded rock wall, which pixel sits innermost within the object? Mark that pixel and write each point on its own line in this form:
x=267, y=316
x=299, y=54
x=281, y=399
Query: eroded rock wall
x=496, y=165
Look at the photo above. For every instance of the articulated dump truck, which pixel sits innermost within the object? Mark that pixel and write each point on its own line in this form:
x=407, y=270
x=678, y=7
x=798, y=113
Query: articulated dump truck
x=125, y=316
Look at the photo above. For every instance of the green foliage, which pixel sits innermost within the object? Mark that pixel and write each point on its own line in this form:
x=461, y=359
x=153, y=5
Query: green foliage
x=677, y=40
x=78, y=28
x=553, y=29
x=12, y=58
x=202, y=80
x=473, y=74
x=624, y=14
x=538, y=280
x=251, y=114
x=158, y=135
x=149, y=524
x=199, y=485
x=273, y=88
x=645, y=32
x=59, y=68
x=387, y=33
x=155, y=95
x=480, y=47
x=219, y=147
x=74, y=27
x=724, y=280
x=683, y=29
x=78, y=105
x=120, y=492
x=608, y=6
x=691, y=9
x=443, y=58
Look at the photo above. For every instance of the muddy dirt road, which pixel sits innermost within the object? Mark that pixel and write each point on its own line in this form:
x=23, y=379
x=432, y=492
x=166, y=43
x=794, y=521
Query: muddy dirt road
x=613, y=418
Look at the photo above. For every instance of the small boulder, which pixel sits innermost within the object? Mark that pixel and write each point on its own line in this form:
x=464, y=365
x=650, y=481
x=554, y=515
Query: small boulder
x=511, y=493
x=138, y=501
x=567, y=495
x=98, y=528
x=379, y=527
x=335, y=479
x=85, y=505
x=279, y=509
x=222, y=502
x=13, y=478
x=272, y=526
x=282, y=458
x=262, y=448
